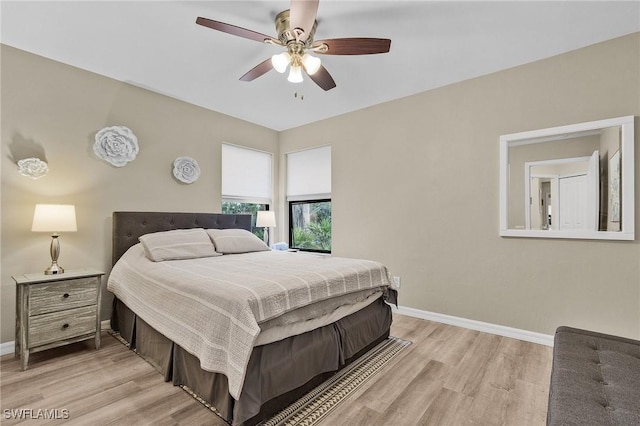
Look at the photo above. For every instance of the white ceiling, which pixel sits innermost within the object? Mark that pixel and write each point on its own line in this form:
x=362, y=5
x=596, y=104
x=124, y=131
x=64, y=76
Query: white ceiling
x=158, y=46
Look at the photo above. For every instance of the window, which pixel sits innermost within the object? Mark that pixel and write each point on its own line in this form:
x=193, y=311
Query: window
x=310, y=225
x=231, y=207
x=246, y=182
x=309, y=199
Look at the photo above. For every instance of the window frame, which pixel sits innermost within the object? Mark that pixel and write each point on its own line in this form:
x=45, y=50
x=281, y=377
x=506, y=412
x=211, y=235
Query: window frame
x=307, y=201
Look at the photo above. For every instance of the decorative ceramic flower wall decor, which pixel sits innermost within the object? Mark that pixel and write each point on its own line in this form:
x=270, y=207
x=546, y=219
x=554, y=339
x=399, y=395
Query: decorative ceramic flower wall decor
x=186, y=169
x=35, y=168
x=116, y=145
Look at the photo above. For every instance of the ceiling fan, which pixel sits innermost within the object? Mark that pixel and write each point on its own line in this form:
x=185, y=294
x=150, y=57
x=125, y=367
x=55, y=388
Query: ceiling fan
x=296, y=28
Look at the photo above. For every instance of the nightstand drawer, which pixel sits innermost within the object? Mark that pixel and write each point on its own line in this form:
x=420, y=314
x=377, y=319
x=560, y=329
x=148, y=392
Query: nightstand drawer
x=61, y=325
x=58, y=296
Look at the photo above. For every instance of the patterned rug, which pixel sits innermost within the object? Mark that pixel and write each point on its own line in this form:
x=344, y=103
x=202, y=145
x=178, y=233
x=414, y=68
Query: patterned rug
x=315, y=405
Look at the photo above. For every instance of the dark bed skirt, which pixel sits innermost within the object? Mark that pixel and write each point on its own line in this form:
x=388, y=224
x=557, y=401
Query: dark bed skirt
x=278, y=373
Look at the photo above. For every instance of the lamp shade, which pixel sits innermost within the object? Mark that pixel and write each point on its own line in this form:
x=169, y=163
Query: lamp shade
x=54, y=218
x=311, y=63
x=281, y=61
x=266, y=219
x=295, y=74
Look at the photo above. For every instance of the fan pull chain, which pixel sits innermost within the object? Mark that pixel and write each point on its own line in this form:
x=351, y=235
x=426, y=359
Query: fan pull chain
x=299, y=94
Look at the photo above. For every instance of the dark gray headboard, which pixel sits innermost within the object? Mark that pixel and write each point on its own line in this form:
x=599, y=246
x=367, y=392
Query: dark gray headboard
x=128, y=226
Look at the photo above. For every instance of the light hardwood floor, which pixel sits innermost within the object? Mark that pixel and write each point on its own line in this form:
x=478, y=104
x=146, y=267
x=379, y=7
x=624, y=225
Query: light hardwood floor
x=448, y=376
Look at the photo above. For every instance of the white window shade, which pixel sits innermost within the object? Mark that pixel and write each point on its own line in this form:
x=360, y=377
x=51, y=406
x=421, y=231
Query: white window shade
x=309, y=174
x=246, y=174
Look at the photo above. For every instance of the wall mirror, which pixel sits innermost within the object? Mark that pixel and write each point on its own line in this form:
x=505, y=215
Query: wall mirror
x=574, y=181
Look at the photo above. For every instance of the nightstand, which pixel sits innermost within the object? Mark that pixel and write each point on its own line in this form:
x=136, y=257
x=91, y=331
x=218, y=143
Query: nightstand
x=55, y=310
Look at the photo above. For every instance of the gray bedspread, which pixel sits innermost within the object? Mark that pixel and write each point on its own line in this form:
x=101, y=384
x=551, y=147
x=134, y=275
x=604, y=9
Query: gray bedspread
x=213, y=307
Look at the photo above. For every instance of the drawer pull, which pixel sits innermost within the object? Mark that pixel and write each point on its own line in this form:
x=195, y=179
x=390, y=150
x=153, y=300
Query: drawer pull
x=65, y=325
x=66, y=295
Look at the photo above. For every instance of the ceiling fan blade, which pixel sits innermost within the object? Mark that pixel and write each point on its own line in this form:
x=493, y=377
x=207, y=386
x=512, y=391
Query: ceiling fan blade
x=232, y=29
x=323, y=79
x=260, y=69
x=352, y=46
x=302, y=14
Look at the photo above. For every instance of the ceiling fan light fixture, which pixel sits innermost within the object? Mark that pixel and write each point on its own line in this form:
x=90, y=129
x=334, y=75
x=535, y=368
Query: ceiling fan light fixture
x=296, y=29
x=281, y=61
x=295, y=74
x=311, y=63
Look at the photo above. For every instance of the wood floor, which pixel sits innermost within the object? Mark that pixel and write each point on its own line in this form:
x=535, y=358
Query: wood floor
x=448, y=376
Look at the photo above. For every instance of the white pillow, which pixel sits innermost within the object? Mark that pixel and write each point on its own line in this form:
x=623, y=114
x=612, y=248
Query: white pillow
x=233, y=241
x=177, y=244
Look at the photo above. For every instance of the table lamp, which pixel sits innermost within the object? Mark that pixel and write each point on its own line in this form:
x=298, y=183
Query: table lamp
x=54, y=218
x=266, y=219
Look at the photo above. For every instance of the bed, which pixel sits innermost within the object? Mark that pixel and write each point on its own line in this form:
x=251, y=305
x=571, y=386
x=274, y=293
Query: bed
x=292, y=341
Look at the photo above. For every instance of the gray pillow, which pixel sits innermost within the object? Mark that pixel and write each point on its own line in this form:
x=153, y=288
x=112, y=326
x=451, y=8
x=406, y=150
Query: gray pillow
x=177, y=244
x=233, y=241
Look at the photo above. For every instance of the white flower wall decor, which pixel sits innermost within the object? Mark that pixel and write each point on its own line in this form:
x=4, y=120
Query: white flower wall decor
x=186, y=169
x=116, y=145
x=35, y=168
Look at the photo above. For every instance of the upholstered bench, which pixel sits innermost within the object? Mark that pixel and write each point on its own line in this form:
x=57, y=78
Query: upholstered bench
x=595, y=379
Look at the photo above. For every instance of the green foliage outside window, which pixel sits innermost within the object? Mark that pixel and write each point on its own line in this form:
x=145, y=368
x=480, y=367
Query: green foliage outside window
x=247, y=208
x=311, y=225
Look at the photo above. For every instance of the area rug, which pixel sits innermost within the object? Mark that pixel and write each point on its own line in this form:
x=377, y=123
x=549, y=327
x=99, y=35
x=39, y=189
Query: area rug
x=315, y=405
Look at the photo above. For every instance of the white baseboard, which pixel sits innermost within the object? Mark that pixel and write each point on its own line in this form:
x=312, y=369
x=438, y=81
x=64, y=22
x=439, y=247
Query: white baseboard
x=9, y=347
x=105, y=325
x=500, y=330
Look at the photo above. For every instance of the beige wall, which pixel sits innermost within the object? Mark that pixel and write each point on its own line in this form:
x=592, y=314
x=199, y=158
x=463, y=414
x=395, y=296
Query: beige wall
x=55, y=110
x=415, y=185
x=415, y=182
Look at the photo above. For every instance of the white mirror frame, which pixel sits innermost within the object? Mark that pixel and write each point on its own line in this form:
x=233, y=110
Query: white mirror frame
x=627, y=185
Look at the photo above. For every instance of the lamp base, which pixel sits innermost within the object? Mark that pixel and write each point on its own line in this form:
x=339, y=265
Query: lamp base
x=54, y=269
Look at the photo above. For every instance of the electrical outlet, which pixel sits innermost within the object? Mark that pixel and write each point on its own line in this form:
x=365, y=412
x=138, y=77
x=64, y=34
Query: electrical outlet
x=396, y=282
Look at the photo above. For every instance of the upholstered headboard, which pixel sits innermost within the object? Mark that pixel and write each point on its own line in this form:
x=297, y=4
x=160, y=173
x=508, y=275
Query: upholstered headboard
x=128, y=226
